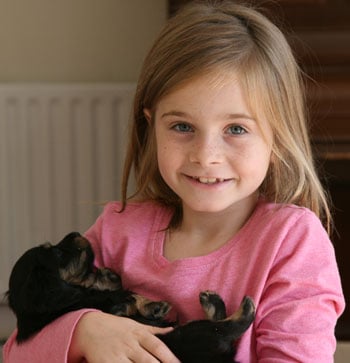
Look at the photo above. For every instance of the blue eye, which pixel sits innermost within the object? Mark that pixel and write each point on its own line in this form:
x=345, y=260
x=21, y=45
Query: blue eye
x=182, y=127
x=236, y=130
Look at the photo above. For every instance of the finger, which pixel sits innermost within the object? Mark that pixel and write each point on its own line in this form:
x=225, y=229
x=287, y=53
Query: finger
x=141, y=355
x=157, y=330
x=158, y=349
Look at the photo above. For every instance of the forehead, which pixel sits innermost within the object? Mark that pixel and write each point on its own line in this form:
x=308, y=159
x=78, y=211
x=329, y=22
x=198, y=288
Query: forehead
x=204, y=87
x=211, y=93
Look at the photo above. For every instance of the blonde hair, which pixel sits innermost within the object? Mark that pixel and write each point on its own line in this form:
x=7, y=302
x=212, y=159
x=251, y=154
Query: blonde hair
x=221, y=37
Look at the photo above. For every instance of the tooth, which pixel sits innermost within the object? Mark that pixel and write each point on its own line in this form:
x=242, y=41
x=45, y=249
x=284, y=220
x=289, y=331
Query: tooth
x=207, y=180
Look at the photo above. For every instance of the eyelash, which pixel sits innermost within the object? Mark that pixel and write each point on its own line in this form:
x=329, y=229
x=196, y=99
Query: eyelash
x=183, y=127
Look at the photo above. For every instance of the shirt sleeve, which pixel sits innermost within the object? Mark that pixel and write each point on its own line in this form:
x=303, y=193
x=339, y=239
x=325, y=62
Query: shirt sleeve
x=302, y=299
x=95, y=234
x=51, y=344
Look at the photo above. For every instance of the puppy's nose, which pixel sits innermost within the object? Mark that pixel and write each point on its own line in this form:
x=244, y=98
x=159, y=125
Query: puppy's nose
x=68, y=240
x=46, y=245
x=81, y=241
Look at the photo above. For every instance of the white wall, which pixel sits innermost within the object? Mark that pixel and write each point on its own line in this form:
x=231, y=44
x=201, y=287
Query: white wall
x=76, y=40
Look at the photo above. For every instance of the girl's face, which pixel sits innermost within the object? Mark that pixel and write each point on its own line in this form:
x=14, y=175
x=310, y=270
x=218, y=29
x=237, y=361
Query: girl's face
x=211, y=152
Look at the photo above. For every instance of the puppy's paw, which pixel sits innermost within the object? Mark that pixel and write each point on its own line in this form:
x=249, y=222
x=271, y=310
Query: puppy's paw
x=156, y=309
x=107, y=279
x=213, y=305
x=246, y=310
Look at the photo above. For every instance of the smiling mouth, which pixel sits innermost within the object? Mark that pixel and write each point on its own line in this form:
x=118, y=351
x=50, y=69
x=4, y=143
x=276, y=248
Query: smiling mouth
x=205, y=180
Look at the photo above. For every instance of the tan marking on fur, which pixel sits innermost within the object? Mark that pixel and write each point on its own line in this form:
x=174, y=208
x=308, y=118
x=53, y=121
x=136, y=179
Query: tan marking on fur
x=74, y=272
x=238, y=315
x=210, y=312
x=208, y=308
x=140, y=303
x=143, y=305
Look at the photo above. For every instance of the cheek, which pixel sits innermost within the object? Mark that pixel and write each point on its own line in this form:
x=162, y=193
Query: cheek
x=251, y=158
x=163, y=157
x=170, y=159
x=167, y=150
x=166, y=156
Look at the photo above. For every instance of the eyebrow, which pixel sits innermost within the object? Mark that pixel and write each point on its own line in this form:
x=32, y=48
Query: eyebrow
x=174, y=113
x=229, y=116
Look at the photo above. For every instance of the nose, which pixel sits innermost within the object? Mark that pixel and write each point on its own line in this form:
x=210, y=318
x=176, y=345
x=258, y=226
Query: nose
x=206, y=150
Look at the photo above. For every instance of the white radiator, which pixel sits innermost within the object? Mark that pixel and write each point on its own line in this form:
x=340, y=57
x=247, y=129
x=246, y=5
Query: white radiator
x=61, y=152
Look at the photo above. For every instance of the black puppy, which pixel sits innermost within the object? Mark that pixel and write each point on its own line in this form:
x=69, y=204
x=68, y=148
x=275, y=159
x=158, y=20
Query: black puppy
x=49, y=281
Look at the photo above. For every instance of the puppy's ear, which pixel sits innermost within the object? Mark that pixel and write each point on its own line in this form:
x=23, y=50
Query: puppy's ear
x=35, y=286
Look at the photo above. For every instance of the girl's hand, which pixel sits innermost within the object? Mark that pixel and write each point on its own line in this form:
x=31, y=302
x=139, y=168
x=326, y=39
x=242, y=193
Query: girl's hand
x=104, y=338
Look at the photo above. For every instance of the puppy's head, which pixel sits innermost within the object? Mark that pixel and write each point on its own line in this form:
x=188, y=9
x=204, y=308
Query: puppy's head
x=36, y=278
x=75, y=257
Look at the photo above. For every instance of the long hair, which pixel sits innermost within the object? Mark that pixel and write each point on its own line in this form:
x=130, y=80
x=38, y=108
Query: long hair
x=216, y=38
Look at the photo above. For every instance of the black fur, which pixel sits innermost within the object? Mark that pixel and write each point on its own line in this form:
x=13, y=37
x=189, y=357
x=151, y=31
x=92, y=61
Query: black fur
x=49, y=281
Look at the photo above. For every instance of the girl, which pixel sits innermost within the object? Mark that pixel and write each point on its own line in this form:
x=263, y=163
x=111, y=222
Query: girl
x=227, y=199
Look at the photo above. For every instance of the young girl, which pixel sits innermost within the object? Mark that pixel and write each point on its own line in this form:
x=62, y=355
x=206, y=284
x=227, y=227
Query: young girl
x=227, y=199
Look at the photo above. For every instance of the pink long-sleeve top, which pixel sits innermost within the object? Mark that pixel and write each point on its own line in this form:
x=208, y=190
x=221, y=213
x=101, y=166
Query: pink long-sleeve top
x=282, y=258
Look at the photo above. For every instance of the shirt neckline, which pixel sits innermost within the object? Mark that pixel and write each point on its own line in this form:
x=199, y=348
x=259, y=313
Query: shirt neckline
x=161, y=222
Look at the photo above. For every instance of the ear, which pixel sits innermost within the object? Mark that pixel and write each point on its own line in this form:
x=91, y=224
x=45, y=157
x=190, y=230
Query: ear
x=273, y=158
x=148, y=114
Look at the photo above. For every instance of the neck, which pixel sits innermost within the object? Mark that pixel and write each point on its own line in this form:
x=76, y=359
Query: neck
x=201, y=233
x=232, y=218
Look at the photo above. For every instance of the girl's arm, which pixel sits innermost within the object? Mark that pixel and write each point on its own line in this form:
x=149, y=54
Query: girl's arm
x=51, y=344
x=302, y=299
x=100, y=337
x=93, y=336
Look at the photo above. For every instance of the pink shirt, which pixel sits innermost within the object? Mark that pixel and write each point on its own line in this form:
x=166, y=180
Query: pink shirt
x=281, y=257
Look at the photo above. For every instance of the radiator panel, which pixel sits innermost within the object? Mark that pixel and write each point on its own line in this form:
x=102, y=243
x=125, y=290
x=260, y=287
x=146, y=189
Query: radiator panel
x=61, y=152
